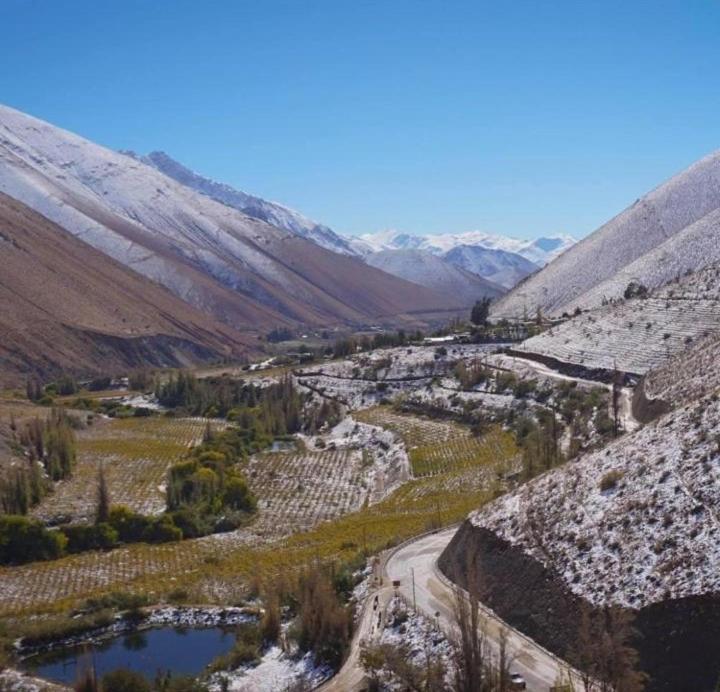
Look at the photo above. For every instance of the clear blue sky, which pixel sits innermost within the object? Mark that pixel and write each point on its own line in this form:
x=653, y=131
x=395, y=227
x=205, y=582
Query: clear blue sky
x=514, y=117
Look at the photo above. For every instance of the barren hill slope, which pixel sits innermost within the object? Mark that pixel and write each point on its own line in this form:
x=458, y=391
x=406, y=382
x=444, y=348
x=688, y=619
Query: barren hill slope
x=240, y=269
x=635, y=525
x=650, y=242
x=64, y=306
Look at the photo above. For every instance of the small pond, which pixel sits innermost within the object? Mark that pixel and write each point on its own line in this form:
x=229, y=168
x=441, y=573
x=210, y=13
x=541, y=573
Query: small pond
x=180, y=651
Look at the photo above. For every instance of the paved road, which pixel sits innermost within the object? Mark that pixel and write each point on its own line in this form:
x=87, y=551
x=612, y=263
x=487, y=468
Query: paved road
x=434, y=595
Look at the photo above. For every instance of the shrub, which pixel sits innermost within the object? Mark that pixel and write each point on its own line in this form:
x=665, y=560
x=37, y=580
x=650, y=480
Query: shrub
x=123, y=680
x=610, y=480
x=83, y=537
x=25, y=540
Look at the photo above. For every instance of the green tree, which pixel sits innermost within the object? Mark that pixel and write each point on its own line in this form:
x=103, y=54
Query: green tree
x=480, y=312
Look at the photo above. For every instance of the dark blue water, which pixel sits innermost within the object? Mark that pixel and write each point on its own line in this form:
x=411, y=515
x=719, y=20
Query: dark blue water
x=181, y=651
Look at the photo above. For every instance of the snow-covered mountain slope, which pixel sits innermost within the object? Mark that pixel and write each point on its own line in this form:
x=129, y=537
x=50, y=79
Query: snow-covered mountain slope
x=639, y=334
x=436, y=273
x=539, y=251
x=499, y=266
x=240, y=269
x=271, y=212
x=667, y=231
x=65, y=307
x=633, y=524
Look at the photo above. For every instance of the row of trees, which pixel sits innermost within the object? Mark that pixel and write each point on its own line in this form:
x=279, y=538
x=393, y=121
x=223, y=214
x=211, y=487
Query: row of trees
x=49, y=447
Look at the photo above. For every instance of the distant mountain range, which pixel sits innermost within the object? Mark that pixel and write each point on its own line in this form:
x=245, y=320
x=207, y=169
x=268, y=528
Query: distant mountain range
x=243, y=274
x=501, y=261
x=539, y=251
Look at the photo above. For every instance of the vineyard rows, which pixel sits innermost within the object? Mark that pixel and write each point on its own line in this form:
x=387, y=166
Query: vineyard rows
x=135, y=454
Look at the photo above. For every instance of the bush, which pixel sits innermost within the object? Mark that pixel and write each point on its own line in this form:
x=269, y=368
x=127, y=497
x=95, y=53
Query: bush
x=83, y=537
x=610, y=480
x=25, y=540
x=123, y=680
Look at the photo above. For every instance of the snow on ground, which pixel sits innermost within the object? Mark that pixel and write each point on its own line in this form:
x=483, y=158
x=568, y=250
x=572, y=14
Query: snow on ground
x=637, y=335
x=424, y=640
x=368, y=378
x=16, y=681
x=277, y=671
x=633, y=524
x=387, y=464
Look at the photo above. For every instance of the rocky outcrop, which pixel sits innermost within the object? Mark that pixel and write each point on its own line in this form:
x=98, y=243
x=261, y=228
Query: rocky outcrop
x=535, y=600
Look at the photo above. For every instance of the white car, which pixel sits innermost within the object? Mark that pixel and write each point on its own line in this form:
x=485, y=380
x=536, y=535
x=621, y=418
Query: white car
x=517, y=682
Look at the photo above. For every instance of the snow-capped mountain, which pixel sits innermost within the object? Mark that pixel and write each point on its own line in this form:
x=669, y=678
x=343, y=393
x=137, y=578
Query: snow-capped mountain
x=539, y=251
x=271, y=212
x=501, y=267
x=481, y=254
x=240, y=269
x=435, y=272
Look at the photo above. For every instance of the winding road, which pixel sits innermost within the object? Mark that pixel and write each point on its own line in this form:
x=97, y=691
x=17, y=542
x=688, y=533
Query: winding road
x=414, y=566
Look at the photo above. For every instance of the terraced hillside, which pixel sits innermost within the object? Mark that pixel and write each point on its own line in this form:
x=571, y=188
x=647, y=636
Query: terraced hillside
x=437, y=447
x=312, y=504
x=639, y=334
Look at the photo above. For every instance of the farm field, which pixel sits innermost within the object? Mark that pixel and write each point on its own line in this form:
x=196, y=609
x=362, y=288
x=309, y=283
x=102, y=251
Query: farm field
x=218, y=568
x=437, y=447
x=135, y=454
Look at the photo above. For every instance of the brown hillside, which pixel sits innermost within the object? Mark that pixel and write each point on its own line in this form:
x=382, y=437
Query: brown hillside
x=67, y=307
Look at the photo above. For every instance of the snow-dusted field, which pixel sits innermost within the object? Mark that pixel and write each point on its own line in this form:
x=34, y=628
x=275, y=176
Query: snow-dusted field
x=135, y=454
x=640, y=334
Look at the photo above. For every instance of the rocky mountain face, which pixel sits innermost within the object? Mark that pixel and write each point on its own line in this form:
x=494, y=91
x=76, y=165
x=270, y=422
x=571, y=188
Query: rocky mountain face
x=241, y=270
x=671, y=230
x=436, y=273
x=67, y=307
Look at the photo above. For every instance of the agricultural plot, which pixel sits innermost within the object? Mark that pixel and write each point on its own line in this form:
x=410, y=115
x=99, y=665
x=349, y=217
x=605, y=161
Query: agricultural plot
x=135, y=454
x=294, y=491
x=438, y=447
x=640, y=334
x=297, y=491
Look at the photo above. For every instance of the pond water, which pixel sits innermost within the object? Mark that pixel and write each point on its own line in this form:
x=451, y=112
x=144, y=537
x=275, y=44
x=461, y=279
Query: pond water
x=180, y=651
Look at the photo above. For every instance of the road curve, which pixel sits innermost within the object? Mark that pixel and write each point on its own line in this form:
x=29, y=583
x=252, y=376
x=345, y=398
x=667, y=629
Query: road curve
x=416, y=562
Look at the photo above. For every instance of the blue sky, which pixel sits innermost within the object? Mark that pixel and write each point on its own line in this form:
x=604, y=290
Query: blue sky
x=521, y=117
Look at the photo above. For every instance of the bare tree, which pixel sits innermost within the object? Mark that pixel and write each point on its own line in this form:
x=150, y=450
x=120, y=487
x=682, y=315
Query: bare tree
x=603, y=653
x=103, y=494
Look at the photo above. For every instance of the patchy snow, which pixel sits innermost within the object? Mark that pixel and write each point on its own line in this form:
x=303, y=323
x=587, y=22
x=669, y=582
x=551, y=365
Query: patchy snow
x=424, y=640
x=276, y=671
x=637, y=335
x=633, y=524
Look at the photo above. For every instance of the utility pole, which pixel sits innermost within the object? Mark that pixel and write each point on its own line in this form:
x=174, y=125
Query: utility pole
x=412, y=571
